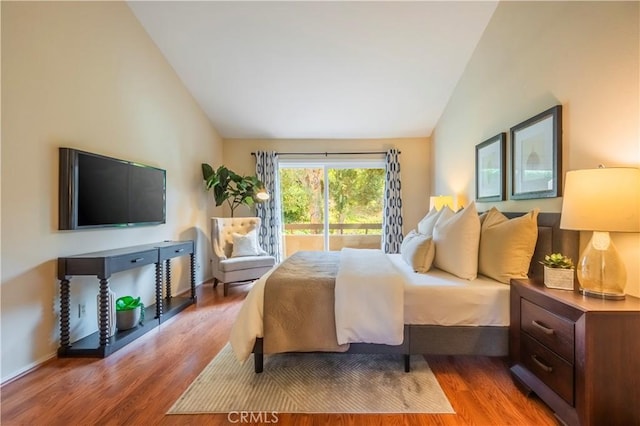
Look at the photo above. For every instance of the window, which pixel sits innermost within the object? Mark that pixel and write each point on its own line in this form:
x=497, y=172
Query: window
x=328, y=205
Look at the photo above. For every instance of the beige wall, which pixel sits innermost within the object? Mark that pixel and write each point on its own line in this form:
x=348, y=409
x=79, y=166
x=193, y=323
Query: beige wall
x=414, y=164
x=533, y=55
x=86, y=75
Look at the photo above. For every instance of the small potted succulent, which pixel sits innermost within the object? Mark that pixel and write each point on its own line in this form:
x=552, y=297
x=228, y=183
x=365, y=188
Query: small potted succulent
x=129, y=312
x=558, y=271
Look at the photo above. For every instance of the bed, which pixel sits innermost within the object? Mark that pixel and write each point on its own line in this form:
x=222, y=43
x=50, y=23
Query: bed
x=435, y=320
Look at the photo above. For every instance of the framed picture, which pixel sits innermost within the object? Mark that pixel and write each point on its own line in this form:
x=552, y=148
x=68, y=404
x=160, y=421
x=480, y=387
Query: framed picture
x=490, y=169
x=536, y=156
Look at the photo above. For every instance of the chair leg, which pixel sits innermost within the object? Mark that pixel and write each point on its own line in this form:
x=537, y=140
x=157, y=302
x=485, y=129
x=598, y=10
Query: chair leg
x=225, y=290
x=215, y=283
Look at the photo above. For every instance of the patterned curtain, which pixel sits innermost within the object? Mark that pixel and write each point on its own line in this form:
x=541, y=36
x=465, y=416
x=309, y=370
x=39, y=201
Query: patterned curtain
x=270, y=211
x=392, y=217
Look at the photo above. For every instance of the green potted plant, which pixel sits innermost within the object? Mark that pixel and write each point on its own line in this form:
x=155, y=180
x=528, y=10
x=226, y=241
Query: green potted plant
x=233, y=188
x=129, y=312
x=558, y=271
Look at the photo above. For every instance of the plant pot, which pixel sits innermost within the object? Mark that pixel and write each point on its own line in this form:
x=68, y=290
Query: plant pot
x=558, y=278
x=127, y=319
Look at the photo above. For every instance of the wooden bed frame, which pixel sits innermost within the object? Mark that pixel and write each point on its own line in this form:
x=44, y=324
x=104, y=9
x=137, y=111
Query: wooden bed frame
x=460, y=340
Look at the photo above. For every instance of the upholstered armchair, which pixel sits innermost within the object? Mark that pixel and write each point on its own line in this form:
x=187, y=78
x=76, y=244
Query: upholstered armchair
x=240, y=263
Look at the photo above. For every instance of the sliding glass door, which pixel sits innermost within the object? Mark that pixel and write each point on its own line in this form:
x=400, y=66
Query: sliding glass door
x=328, y=205
x=303, y=201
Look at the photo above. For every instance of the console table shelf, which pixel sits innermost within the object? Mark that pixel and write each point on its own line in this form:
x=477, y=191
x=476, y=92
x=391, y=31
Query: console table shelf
x=102, y=265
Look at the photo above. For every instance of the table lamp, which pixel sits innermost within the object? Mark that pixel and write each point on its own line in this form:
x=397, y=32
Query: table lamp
x=602, y=200
x=440, y=201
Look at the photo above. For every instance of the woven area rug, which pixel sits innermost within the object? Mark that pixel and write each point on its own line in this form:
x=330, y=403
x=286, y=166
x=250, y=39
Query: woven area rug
x=314, y=383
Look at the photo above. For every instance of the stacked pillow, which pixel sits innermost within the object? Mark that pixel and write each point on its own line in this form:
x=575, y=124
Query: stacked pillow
x=425, y=226
x=457, y=238
x=418, y=251
x=417, y=247
x=465, y=244
x=507, y=245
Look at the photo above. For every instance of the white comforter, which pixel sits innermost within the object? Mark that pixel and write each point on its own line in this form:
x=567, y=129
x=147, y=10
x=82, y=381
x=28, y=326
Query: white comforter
x=369, y=304
x=248, y=324
x=369, y=299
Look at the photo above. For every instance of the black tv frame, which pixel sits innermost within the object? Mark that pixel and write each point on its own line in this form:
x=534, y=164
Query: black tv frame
x=68, y=187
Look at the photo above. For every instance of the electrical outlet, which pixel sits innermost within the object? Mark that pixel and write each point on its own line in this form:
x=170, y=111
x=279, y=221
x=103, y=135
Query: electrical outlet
x=82, y=310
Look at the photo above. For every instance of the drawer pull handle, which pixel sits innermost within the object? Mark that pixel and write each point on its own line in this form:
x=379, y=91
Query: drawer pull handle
x=541, y=364
x=545, y=330
x=179, y=250
x=136, y=260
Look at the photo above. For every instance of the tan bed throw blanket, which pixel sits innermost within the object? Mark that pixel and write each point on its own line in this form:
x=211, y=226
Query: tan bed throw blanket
x=299, y=303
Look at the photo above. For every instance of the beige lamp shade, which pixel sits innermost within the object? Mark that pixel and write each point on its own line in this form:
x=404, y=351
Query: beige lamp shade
x=440, y=201
x=604, y=199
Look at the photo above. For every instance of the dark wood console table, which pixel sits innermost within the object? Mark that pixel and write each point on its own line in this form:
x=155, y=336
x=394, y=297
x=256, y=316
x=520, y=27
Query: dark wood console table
x=105, y=263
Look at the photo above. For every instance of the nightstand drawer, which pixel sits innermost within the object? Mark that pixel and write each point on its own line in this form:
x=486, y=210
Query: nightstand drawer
x=553, y=331
x=548, y=367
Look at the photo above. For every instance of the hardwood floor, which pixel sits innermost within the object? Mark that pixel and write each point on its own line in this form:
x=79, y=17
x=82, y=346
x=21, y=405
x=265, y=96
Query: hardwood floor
x=138, y=384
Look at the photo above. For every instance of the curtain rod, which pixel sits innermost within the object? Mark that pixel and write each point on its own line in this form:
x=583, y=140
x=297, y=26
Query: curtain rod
x=332, y=153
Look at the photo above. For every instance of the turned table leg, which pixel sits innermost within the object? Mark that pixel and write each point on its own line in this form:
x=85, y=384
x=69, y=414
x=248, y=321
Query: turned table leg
x=192, y=264
x=65, y=314
x=103, y=312
x=159, y=308
x=168, y=291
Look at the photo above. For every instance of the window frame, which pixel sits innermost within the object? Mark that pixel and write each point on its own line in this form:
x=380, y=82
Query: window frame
x=325, y=164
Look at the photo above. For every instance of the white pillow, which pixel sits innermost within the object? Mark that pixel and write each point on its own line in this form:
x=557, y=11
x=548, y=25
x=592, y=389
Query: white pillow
x=425, y=226
x=245, y=245
x=507, y=245
x=411, y=235
x=457, y=238
x=418, y=252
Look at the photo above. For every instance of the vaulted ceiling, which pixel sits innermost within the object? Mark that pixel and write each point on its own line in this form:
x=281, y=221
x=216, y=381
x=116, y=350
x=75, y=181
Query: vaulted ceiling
x=318, y=69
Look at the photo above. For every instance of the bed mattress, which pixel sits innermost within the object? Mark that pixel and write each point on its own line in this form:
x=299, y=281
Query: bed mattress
x=434, y=298
x=439, y=298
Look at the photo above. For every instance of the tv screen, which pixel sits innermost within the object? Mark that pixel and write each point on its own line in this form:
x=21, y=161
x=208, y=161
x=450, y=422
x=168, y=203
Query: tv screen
x=98, y=191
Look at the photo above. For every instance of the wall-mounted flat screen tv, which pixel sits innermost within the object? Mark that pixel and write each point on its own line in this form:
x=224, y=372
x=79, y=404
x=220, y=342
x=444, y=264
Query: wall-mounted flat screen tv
x=98, y=191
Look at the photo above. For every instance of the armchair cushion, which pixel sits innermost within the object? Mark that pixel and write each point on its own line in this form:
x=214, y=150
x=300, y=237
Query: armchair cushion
x=246, y=262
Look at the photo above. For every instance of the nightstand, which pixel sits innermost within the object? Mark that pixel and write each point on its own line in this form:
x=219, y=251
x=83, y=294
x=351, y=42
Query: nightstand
x=580, y=355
